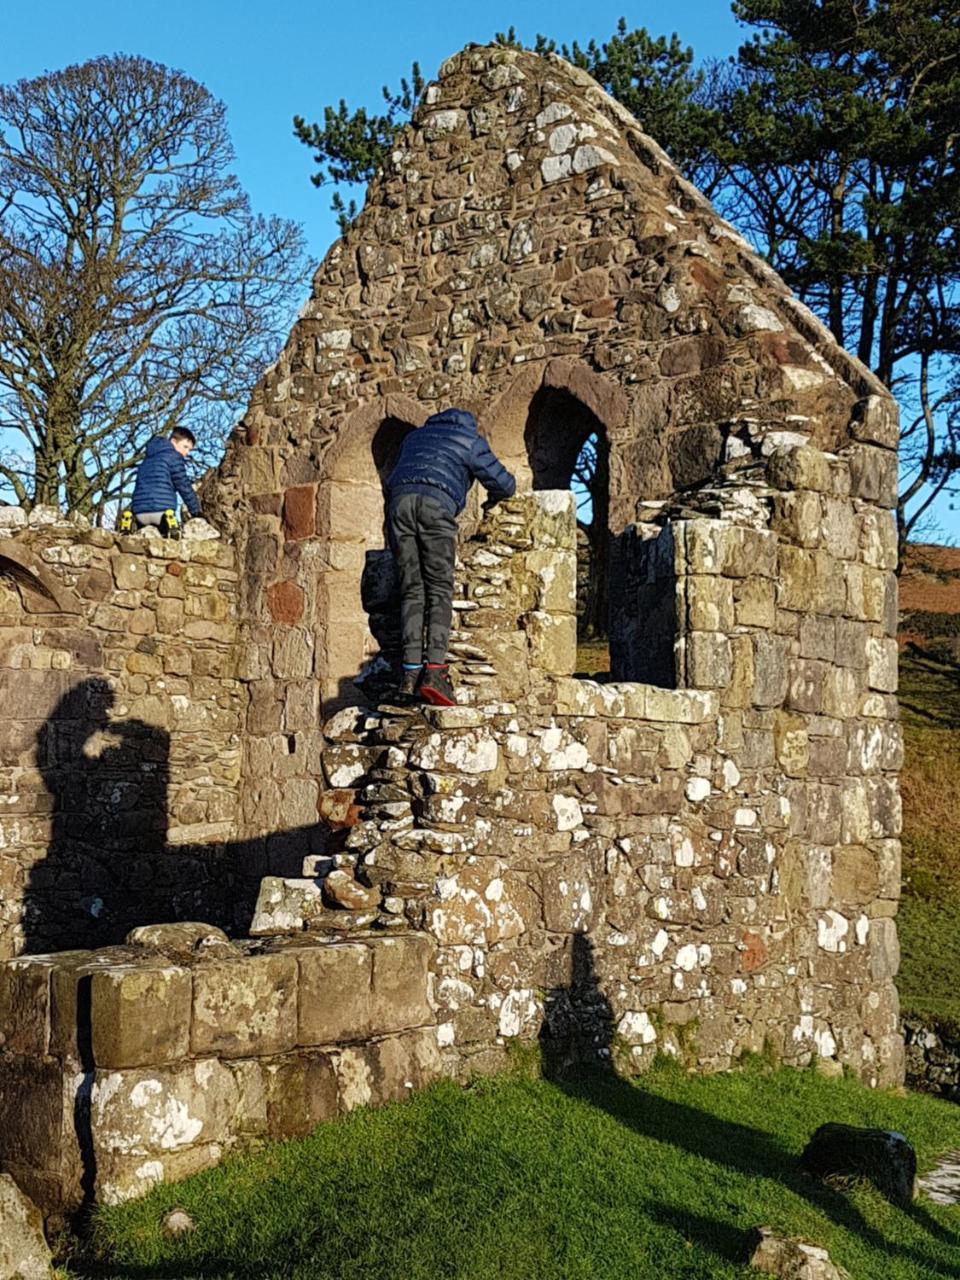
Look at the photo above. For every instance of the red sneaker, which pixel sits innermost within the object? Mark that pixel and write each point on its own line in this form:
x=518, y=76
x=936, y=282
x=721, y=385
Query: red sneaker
x=435, y=687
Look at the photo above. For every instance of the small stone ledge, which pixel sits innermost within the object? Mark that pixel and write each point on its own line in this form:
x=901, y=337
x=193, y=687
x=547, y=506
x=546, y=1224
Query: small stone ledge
x=633, y=701
x=180, y=1059
x=145, y=1009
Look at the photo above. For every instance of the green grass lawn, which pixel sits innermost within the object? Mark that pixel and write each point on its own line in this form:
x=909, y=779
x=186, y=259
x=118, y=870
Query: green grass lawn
x=929, y=918
x=520, y=1179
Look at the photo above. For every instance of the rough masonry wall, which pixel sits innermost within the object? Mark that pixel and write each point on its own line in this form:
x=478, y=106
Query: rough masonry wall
x=727, y=851
x=528, y=254
x=120, y=734
x=608, y=870
x=700, y=857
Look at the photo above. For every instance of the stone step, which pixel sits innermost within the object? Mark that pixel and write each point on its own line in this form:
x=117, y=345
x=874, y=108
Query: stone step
x=290, y=904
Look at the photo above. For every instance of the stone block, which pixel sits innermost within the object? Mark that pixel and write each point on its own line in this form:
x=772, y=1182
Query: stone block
x=387, y=1070
x=553, y=642
x=160, y=1124
x=335, y=993
x=800, y=468
x=709, y=602
x=139, y=1016
x=878, y=539
x=856, y=824
x=285, y=602
x=797, y=518
x=739, y=691
x=791, y=743
x=24, y=1252
x=841, y=693
x=70, y=998
x=555, y=576
x=36, y=1115
x=884, y=950
x=301, y=1091
x=754, y=603
x=25, y=1003
x=769, y=670
x=840, y=529
x=851, y=648
x=346, y=509
x=855, y=881
x=797, y=584
x=882, y=663
x=680, y=706
x=818, y=638
x=805, y=685
x=399, y=990
x=875, y=420
x=300, y=512
x=292, y=657
x=707, y=659
x=873, y=474
x=245, y=1007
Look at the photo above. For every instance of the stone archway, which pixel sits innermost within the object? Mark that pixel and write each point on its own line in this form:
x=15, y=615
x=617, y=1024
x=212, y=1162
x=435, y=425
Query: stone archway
x=539, y=427
x=350, y=526
x=567, y=447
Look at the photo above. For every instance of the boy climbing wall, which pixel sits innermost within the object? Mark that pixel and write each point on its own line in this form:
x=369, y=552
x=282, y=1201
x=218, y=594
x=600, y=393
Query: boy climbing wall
x=426, y=491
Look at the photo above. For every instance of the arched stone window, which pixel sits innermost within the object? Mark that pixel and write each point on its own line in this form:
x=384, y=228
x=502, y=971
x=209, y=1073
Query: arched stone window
x=567, y=447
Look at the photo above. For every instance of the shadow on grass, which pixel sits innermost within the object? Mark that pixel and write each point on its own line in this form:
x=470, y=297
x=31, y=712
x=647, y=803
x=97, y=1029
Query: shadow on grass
x=930, y=686
x=576, y=1043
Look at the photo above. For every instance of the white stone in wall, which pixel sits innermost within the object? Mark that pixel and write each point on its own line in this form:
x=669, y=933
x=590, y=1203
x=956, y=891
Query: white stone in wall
x=562, y=138
x=697, y=790
x=519, y=1012
x=551, y=114
x=832, y=930
x=554, y=168
x=568, y=812
x=753, y=318
x=591, y=156
x=636, y=1028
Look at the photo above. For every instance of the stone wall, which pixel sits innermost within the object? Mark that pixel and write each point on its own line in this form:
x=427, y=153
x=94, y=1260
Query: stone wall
x=120, y=737
x=729, y=848
x=526, y=253
x=699, y=858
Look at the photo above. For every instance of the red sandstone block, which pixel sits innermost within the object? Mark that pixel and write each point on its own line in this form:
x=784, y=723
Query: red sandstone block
x=285, y=602
x=338, y=809
x=300, y=511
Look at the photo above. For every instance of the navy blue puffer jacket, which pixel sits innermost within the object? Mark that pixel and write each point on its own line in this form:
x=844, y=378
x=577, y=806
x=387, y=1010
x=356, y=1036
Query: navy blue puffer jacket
x=160, y=477
x=442, y=459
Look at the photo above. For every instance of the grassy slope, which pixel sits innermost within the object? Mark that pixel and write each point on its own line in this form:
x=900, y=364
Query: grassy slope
x=929, y=919
x=519, y=1178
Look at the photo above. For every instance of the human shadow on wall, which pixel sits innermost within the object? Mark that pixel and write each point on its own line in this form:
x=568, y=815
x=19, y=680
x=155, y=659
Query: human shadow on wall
x=108, y=866
x=577, y=1047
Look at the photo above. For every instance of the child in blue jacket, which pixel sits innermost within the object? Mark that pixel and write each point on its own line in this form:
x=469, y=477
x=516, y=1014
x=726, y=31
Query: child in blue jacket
x=161, y=476
x=426, y=491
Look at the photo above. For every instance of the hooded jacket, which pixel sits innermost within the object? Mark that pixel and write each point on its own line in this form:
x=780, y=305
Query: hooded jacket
x=160, y=477
x=441, y=460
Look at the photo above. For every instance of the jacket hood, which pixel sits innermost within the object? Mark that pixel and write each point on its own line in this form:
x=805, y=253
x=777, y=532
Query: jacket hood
x=156, y=444
x=452, y=418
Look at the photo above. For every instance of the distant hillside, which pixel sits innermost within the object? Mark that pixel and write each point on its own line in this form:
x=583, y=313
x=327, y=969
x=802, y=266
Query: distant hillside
x=930, y=594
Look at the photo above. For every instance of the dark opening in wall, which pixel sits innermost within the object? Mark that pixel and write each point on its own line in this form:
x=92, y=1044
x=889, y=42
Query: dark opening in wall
x=567, y=448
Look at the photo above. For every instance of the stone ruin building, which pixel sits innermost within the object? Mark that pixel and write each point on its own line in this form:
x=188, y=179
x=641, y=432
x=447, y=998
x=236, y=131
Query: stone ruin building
x=697, y=857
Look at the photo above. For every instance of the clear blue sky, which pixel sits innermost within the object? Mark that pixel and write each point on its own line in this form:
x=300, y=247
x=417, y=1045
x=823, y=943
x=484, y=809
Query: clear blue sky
x=269, y=62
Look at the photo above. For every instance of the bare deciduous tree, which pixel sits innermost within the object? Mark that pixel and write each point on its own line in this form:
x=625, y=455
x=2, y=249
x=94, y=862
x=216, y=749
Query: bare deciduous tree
x=137, y=288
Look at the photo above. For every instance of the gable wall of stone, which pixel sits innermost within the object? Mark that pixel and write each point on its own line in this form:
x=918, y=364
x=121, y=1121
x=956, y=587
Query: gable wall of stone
x=525, y=239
